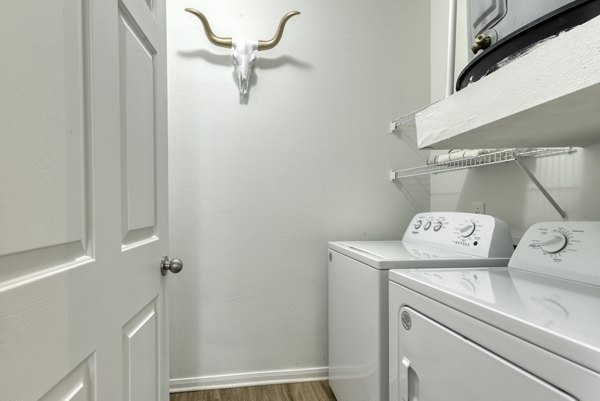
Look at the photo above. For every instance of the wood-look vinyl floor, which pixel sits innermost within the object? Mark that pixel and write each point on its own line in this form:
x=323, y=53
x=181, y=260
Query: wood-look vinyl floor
x=309, y=391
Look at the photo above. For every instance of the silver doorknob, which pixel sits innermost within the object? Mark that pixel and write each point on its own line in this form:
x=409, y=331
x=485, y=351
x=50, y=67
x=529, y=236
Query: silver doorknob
x=173, y=265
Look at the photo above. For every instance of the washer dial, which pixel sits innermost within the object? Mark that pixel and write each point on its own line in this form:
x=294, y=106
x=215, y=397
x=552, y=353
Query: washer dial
x=557, y=243
x=467, y=230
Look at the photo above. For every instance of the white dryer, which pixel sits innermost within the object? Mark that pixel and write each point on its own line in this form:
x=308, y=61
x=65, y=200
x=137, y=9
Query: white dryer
x=358, y=290
x=527, y=332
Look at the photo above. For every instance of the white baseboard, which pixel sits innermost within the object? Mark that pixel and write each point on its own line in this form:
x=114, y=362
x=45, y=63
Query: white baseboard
x=178, y=385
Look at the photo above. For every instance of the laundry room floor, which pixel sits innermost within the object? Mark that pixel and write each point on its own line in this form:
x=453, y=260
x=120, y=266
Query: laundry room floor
x=309, y=391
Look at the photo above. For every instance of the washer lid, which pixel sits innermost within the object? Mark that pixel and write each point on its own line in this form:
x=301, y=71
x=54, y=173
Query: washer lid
x=386, y=255
x=558, y=315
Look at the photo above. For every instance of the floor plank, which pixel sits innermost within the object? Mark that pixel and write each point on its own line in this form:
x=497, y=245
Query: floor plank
x=309, y=391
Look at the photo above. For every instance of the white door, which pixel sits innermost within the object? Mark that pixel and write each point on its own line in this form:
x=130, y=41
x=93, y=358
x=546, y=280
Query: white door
x=83, y=191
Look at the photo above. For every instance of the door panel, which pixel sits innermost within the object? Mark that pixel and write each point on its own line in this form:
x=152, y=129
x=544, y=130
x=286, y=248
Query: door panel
x=83, y=204
x=44, y=136
x=137, y=76
x=79, y=385
x=141, y=341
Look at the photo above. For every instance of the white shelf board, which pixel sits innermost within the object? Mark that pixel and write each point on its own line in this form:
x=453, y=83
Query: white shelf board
x=549, y=97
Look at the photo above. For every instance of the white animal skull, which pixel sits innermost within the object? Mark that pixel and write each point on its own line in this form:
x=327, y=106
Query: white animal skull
x=244, y=52
x=244, y=55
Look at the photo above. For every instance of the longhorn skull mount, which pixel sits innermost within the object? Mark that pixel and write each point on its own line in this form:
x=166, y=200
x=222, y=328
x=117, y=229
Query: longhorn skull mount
x=244, y=52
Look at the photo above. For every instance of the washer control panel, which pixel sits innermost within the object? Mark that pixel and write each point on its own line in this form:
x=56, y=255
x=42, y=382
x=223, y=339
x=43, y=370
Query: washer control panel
x=475, y=234
x=567, y=249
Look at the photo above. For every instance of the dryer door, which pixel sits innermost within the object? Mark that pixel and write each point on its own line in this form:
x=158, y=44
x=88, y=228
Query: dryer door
x=436, y=364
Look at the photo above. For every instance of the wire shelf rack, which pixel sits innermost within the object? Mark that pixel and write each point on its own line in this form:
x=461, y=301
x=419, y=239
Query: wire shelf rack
x=487, y=159
x=491, y=158
x=407, y=121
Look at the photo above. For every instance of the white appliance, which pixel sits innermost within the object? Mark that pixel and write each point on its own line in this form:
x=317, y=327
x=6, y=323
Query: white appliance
x=527, y=332
x=502, y=30
x=498, y=18
x=358, y=290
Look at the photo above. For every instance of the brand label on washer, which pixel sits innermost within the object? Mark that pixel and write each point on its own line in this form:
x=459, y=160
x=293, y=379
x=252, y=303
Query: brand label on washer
x=406, y=320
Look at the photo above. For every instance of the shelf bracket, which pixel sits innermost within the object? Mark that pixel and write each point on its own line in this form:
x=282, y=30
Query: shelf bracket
x=543, y=190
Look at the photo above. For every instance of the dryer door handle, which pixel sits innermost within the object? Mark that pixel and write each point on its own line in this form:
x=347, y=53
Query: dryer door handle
x=403, y=381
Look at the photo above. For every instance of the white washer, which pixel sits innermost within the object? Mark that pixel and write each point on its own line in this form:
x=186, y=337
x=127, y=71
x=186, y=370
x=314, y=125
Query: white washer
x=526, y=332
x=358, y=290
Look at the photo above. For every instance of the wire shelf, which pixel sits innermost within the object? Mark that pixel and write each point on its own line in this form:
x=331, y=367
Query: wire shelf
x=407, y=121
x=487, y=159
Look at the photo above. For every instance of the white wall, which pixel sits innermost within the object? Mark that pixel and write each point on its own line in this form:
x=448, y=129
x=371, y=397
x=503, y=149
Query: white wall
x=257, y=190
x=508, y=194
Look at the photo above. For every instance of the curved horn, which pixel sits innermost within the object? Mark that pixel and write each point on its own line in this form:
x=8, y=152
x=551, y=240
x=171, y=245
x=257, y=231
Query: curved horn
x=214, y=39
x=269, y=44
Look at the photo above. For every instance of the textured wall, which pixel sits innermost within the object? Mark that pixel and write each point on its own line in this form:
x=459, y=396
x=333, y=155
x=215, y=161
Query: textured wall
x=258, y=189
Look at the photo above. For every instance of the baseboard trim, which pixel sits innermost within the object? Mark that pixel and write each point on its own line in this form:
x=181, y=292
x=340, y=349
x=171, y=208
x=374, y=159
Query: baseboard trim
x=178, y=385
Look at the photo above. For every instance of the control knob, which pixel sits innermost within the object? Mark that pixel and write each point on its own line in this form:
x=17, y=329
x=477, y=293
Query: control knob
x=418, y=224
x=427, y=225
x=437, y=226
x=467, y=230
x=555, y=244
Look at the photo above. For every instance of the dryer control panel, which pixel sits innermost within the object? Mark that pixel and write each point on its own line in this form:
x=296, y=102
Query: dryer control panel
x=566, y=249
x=474, y=234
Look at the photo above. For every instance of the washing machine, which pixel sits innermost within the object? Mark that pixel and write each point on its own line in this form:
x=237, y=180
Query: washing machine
x=358, y=290
x=526, y=332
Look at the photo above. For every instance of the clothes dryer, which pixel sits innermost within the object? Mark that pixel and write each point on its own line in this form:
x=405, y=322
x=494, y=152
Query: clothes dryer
x=358, y=290
x=526, y=332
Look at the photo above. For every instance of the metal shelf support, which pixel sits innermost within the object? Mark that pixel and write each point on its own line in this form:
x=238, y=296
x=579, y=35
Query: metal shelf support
x=543, y=190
